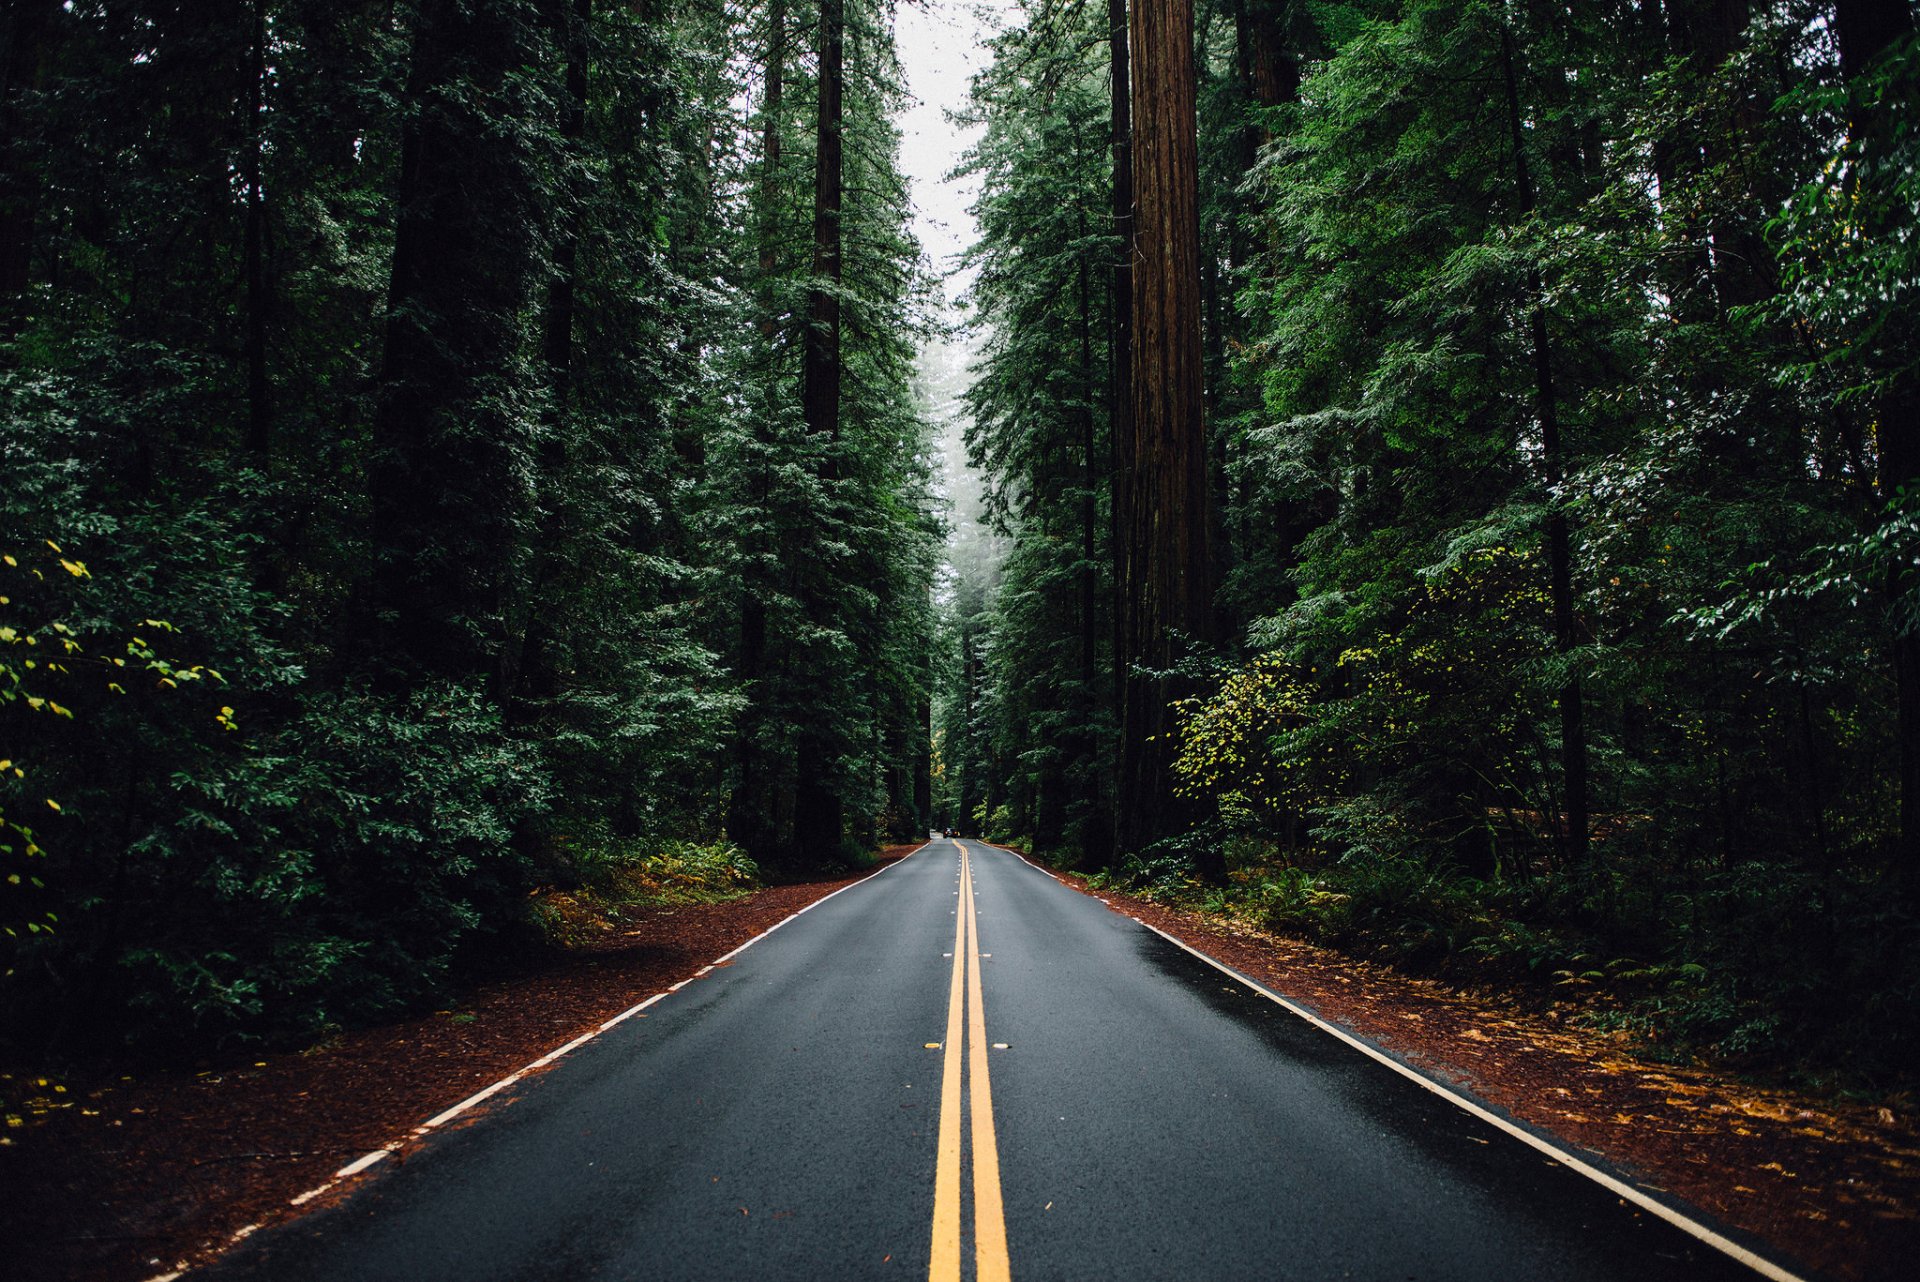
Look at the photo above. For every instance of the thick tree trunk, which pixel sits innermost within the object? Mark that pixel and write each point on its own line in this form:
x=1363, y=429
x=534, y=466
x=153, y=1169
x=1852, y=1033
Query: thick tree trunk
x=820, y=353
x=1269, y=72
x=818, y=812
x=1168, y=590
x=1573, y=734
x=556, y=343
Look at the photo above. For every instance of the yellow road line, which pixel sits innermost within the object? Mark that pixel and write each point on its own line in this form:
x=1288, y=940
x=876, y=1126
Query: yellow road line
x=946, y=1172
x=989, y=1220
x=989, y=1217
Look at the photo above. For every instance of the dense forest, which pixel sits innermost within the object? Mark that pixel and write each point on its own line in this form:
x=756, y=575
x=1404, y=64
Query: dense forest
x=1448, y=488
x=1463, y=511
x=450, y=448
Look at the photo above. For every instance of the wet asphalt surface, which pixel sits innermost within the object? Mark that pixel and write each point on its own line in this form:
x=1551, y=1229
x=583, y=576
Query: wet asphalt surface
x=1156, y=1119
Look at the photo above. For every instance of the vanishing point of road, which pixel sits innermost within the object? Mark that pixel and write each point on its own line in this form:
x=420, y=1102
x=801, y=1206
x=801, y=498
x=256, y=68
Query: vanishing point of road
x=961, y=1068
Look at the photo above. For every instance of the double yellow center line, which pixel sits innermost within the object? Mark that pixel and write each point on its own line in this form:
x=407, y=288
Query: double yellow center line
x=989, y=1219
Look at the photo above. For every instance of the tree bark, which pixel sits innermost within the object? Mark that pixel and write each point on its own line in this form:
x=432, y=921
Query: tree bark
x=557, y=335
x=1168, y=590
x=923, y=764
x=1268, y=69
x=969, y=790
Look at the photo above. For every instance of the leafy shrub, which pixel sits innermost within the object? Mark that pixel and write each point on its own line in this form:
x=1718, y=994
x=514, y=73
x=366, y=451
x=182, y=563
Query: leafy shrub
x=620, y=876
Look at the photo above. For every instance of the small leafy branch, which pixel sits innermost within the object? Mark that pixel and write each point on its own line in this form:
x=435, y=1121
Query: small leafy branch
x=37, y=656
x=1849, y=573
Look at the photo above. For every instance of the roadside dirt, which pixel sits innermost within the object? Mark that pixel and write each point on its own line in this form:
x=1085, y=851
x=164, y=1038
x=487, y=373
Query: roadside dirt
x=118, y=1180
x=1833, y=1186
x=110, y=1179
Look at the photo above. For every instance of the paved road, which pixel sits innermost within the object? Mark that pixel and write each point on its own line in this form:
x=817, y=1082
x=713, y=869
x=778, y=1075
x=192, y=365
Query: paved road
x=1149, y=1117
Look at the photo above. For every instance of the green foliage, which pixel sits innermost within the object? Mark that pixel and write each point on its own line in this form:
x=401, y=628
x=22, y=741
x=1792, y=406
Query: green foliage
x=825, y=548
x=621, y=877
x=1849, y=265
x=1031, y=729
x=449, y=508
x=1717, y=233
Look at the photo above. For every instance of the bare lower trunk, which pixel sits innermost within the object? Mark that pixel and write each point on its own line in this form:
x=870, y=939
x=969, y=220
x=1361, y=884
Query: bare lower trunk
x=1168, y=590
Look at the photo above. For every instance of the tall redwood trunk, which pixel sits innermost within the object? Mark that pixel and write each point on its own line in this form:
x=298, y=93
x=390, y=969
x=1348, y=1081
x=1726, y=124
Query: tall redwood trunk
x=1168, y=588
x=556, y=343
x=817, y=816
x=923, y=759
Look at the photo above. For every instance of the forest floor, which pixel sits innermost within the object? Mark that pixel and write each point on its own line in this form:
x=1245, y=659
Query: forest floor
x=105, y=1178
x=118, y=1179
x=1834, y=1185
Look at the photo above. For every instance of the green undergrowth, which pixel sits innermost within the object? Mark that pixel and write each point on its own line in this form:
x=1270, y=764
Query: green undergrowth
x=1790, y=978
x=616, y=880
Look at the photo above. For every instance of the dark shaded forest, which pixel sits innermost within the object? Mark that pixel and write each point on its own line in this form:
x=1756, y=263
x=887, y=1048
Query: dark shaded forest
x=450, y=449
x=1449, y=490
x=1500, y=560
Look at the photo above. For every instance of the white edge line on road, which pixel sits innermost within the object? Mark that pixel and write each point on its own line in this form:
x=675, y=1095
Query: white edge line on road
x=1758, y=1263
x=379, y=1155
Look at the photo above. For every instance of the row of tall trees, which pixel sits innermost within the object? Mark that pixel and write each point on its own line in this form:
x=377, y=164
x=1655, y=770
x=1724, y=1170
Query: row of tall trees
x=1513, y=567
x=446, y=444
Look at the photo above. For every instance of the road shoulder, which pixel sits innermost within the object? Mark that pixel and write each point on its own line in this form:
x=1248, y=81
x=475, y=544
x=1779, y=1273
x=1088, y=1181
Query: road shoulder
x=122, y=1179
x=1832, y=1186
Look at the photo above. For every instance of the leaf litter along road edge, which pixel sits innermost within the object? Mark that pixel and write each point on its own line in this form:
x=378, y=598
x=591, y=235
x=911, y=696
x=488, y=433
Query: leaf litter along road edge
x=1833, y=1187
x=130, y=1178
x=156, y=1170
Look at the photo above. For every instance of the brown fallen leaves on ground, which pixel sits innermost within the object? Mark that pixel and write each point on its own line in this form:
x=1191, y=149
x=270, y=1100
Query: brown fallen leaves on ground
x=1834, y=1186
x=117, y=1180
x=113, y=1179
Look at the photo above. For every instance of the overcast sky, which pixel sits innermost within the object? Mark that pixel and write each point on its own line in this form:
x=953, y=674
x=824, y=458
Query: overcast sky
x=940, y=47
x=940, y=43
